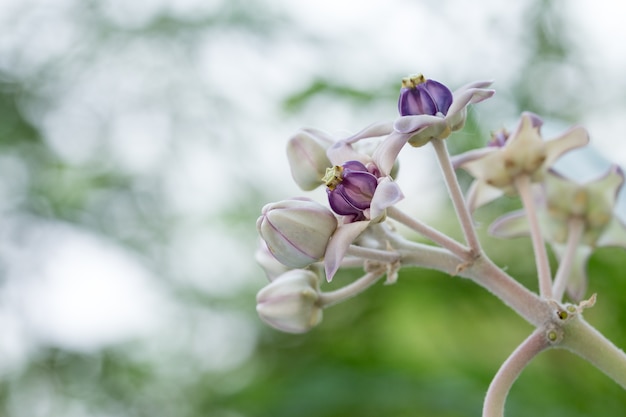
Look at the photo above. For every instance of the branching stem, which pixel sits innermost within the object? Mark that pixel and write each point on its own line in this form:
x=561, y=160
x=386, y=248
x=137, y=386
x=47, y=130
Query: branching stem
x=433, y=234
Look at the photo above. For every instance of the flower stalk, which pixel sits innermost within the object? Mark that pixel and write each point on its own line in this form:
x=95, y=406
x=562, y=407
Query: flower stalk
x=522, y=184
x=456, y=195
x=576, y=230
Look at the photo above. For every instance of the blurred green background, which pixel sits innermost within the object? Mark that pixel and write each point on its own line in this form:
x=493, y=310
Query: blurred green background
x=139, y=141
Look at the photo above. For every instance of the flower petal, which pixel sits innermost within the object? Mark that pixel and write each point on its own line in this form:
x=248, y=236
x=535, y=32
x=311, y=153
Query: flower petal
x=475, y=84
x=410, y=124
x=463, y=158
x=338, y=245
x=440, y=95
x=342, y=151
x=387, y=194
x=571, y=139
x=371, y=131
x=480, y=194
x=463, y=97
x=614, y=234
x=514, y=224
x=387, y=152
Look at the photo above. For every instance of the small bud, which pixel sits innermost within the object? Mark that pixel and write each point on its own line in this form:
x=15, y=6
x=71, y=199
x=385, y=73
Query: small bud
x=290, y=302
x=296, y=231
x=306, y=152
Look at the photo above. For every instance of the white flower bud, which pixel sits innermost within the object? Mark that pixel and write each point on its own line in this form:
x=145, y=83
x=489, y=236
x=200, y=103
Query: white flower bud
x=296, y=231
x=306, y=152
x=290, y=302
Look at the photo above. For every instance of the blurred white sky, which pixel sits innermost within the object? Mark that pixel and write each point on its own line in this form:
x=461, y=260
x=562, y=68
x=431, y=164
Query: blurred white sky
x=143, y=105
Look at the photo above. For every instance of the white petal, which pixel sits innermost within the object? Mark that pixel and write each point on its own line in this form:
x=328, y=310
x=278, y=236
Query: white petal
x=480, y=194
x=514, y=224
x=571, y=139
x=614, y=235
x=341, y=152
x=475, y=84
x=386, y=195
x=371, y=131
x=459, y=160
x=410, y=124
x=387, y=152
x=338, y=245
x=463, y=97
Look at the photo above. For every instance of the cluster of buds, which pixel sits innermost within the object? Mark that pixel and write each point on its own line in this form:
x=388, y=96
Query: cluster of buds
x=358, y=173
x=304, y=241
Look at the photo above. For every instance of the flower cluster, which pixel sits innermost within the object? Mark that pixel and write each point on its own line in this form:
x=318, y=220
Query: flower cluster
x=358, y=173
x=304, y=241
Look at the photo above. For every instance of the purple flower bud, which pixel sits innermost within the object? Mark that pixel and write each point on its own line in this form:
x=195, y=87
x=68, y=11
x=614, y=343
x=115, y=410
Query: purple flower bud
x=350, y=189
x=296, y=231
x=291, y=302
x=498, y=138
x=421, y=96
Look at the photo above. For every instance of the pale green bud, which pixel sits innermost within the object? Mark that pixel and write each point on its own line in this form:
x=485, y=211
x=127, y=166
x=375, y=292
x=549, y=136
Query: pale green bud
x=296, y=231
x=306, y=152
x=290, y=303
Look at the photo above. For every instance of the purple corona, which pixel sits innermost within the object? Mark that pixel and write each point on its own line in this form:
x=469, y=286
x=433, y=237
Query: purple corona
x=421, y=96
x=350, y=189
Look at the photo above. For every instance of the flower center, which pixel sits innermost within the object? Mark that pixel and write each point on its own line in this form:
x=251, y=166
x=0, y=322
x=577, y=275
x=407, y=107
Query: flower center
x=333, y=177
x=413, y=81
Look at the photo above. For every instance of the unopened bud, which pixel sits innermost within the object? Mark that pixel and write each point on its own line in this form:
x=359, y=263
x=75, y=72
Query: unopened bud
x=306, y=152
x=290, y=302
x=296, y=231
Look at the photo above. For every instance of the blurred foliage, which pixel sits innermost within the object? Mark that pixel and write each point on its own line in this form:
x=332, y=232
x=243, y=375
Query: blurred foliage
x=427, y=346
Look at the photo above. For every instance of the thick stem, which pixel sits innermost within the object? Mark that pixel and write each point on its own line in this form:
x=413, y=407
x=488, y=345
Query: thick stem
x=483, y=272
x=519, y=298
x=430, y=233
x=522, y=184
x=454, y=189
x=510, y=370
x=576, y=229
x=327, y=299
x=584, y=340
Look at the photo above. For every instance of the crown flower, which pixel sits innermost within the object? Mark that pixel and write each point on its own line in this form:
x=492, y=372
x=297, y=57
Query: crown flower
x=429, y=110
x=592, y=204
x=508, y=156
x=350, y=189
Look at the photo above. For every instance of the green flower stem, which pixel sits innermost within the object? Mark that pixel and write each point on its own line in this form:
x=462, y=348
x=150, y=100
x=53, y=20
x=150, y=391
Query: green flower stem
x=454, y=189
x=576, y=228
x=583, y=339
x=501, y=384
x=433, y=234
x=522, y=184
x=327, y=299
